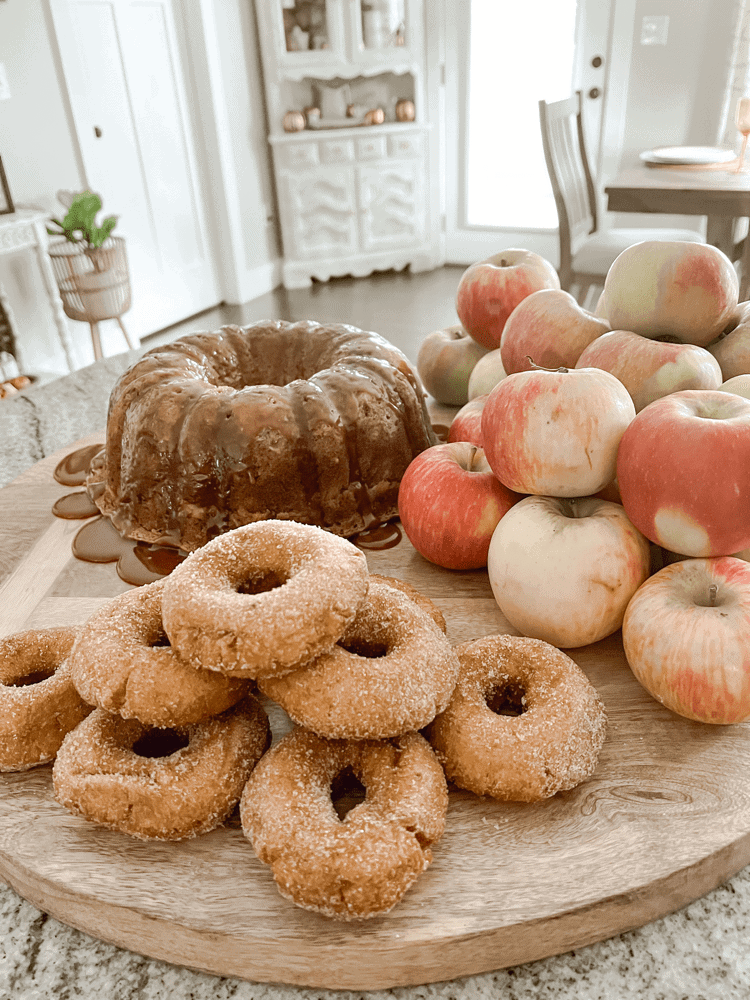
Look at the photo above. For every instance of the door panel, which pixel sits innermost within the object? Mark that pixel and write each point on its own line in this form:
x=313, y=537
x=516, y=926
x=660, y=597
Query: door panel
x=501, y=59
x=123, y=73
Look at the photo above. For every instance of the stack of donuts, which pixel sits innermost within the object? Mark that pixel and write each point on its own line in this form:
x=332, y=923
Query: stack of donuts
x=153, y=714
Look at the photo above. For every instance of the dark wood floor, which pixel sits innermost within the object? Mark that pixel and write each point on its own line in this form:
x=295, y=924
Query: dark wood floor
x=401, y=306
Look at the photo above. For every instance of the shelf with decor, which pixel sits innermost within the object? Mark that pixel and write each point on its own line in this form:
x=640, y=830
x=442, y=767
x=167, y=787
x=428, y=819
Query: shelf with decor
x=344, y=84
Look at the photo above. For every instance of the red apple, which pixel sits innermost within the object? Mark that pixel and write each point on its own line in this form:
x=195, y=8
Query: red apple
x=488, y=371
x=564, y=570
x=683, y=469
x=550, y=329
x=490, y=290
x=450, y=503
x=650, y=369
x=467, y=423
x=445, y=361
x=732, y=349
x=686, y=636
x=556, y=433
x=658, y=287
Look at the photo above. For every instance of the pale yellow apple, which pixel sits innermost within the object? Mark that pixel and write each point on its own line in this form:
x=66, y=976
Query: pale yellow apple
x=488, y=371
x=732, y=349
x=739, y=385
x=445, y=361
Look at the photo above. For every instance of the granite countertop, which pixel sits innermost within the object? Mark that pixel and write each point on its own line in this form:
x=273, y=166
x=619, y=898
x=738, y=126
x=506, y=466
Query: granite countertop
x=698, y=952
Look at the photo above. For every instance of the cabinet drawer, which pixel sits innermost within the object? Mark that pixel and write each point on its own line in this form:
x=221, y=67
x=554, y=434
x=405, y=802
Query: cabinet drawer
x=303, y=154
x=337, y=151
x=371, y=148
x=405, y=145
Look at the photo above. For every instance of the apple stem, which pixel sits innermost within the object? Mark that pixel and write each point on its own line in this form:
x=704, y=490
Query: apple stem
x=712, y=591
x=541, y=368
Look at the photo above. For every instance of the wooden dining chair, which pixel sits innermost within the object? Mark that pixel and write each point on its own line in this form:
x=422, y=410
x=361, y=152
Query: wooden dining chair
x=586, y=251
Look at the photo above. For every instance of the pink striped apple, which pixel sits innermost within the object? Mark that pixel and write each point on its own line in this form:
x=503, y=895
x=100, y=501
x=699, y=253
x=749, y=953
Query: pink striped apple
x=467, y=423
x=658, y=287
x=556, y=433
x=490, y=290
x=449, y=503
x=732, y=349
x=686, y=635
x=550, y=329
x=683, y=469
x=650, y=369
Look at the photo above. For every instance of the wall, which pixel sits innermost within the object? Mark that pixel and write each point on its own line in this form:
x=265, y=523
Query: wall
x=675, y=90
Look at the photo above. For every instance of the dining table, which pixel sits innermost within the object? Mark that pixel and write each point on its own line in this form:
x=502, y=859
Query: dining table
x=717, y=191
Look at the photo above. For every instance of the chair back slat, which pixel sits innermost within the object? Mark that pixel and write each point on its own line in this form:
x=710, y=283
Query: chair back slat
x=570, y=176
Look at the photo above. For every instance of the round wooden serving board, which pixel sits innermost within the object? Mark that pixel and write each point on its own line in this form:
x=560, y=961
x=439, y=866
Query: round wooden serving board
x=664, y=819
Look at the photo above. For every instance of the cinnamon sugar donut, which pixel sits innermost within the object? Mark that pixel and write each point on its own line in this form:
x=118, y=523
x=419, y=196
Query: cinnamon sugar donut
x=359, y=866
x=416, y=595
x=552, y=745
x=122, y=661
x=160, y=784
x=263, y=598
x=38, y=701
x=391, y=672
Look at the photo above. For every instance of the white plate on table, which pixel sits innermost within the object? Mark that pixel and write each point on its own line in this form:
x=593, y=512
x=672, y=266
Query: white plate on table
x=688, y=155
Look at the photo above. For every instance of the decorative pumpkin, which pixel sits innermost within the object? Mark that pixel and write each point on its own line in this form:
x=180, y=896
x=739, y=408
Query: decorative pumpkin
x=405, y=110
x=376, y=116
x=294, y=121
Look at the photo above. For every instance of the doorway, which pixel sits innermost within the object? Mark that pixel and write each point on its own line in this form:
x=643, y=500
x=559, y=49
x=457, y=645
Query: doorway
x=125, y=81
x=501, y=59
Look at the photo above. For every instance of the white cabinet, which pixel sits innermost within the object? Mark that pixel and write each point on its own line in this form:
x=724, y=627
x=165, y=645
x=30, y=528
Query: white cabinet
x=352, y=197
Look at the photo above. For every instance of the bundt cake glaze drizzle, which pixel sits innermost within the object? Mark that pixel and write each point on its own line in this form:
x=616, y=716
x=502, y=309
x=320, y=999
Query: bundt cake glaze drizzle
x=287, y=420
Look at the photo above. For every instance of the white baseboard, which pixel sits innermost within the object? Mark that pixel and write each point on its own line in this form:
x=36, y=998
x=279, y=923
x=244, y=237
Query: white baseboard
x=256, y=282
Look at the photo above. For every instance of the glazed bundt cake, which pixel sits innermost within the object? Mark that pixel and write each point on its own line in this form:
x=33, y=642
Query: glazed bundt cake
x=273, y=420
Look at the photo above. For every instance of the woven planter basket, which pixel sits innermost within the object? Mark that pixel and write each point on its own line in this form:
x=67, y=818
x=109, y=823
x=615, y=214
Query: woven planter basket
x=94, y=283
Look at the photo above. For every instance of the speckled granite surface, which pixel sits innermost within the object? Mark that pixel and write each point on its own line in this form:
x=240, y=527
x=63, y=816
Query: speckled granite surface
x=699, y=953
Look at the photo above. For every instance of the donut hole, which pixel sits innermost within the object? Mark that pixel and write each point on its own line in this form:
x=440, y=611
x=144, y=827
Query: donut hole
x=160, y=743
x=35, y=675
x=160, y=639
x=360, y=646
x=261, y=583
x=347, y=791
x=507, y=698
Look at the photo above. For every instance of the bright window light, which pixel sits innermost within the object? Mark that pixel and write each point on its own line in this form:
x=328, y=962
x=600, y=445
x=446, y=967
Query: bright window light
x=520, y=53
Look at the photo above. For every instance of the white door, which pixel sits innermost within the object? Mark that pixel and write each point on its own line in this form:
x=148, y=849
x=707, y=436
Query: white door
x=500, y=59
x=125, y=82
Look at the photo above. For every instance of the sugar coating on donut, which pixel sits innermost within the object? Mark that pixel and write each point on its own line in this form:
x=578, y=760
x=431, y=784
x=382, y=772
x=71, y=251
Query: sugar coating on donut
x=417, y=596
x=122, y=661
x=359, y=866
x=39, y=703
x=391, y=672
x=551, y=746
x=263, y=598
x=100, y=776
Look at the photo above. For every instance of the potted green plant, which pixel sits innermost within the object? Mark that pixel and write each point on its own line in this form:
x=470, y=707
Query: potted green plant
x=90, y=264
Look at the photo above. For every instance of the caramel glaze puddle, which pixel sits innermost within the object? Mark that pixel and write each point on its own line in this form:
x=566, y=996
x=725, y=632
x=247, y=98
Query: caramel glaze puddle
x=441, y=431
x=74, y=506
x=73, y=469
x=383, y=536
x=138, y=563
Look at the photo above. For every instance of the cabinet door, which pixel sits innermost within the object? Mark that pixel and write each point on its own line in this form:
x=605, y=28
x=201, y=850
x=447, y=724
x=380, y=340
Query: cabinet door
x=391, y=201
x=320, y=212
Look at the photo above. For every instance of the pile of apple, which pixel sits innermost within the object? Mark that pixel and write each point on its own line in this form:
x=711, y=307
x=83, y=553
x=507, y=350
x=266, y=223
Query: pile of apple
x=600, y=467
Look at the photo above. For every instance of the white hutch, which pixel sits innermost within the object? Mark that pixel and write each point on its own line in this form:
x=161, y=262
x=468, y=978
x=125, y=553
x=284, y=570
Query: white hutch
x=353, y=197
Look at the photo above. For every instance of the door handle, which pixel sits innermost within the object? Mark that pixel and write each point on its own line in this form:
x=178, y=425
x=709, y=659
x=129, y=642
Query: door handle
x=98, y=131
x=594, y=93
